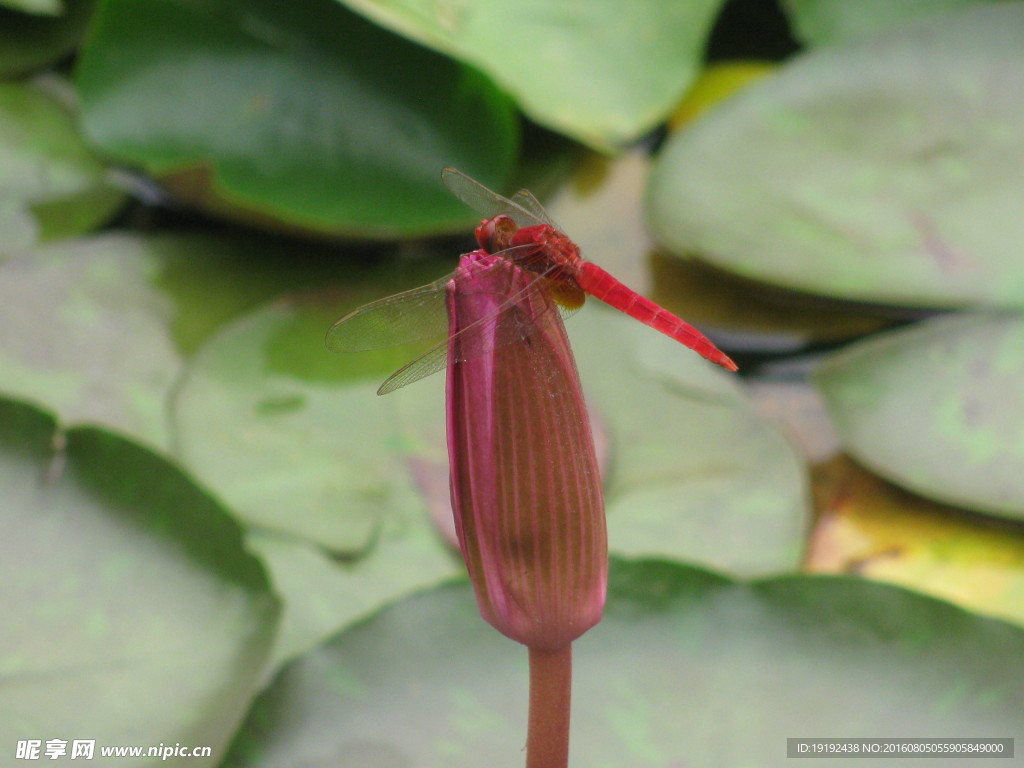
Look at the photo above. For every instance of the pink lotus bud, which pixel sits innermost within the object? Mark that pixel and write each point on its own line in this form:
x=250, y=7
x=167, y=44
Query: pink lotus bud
x=525, y=486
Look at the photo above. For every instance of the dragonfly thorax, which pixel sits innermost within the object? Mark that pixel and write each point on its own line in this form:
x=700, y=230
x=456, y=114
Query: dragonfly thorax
x=556, y=247
x=554, y=250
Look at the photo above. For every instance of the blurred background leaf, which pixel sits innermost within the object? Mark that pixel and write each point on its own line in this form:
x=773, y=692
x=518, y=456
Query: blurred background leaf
x=819, y=22
x=937, y=408
x=35, y=33
x=49, y=178
x=694, y=472
x=255, y=111
x=291, y=452
x=146, y=588
x=324, y=594
x=45, y=7
x=603, y=72
x=83, y=333
x=880, y=170
x=96, y=328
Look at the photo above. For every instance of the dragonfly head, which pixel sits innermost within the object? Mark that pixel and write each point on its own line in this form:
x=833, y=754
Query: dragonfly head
x=495, y=234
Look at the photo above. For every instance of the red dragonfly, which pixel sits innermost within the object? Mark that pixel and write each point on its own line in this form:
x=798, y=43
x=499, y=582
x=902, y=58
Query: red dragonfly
x=519, y=229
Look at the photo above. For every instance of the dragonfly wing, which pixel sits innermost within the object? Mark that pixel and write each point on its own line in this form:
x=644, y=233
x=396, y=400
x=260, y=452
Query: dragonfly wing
x=415, y=315
x=485, y=201
x=431, y=361
x=524, y=199
x=508, y=324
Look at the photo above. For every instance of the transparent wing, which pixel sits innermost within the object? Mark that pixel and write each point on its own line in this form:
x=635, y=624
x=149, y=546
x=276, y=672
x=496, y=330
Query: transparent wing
x=490, y=204
x=415, y=315
x=524, y=199
x=421, y=314
x=429, y=362
x=508, y=324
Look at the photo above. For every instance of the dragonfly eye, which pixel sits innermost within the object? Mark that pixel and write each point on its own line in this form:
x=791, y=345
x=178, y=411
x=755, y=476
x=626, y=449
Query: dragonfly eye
x=495, y=234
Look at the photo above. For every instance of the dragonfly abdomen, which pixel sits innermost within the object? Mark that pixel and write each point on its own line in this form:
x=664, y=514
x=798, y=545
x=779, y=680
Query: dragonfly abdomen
x=611, y=291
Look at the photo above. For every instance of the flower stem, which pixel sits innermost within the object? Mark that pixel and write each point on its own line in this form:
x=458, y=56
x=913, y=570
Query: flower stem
x=547, y=738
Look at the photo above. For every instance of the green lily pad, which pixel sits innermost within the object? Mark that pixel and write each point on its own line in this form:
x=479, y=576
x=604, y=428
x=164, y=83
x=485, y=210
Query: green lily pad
x=49, y=179
x=937, y=409
x=211, y=279
x=132, y=613
x=18, y=226
x=296, y=115
x=96, y=329
x=295, y=441
x=289, y=437
x=44, y=7
x=819, y=22
x=322, y=594
x=604, y=72
x=686, y=669
x=35, y=33
x=853, y=172
x=696, y=474
x=83, y=332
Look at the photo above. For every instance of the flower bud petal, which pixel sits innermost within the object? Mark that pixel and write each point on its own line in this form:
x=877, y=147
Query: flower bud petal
x=526, y=491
